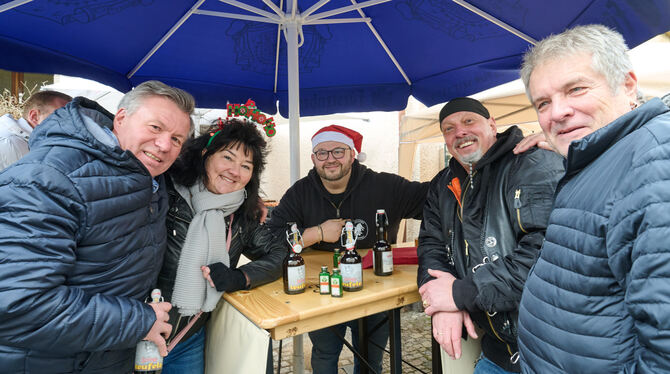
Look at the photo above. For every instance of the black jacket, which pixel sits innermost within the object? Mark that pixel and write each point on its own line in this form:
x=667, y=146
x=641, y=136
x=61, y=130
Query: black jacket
x=505, y=209
x=256, y=243
x=308, y=203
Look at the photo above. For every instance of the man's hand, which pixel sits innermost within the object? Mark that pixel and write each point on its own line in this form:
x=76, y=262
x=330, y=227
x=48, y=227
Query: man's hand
x=533, y=140
x=437, y=294
x=161, y=328
x=447, y=330
x=332, y=229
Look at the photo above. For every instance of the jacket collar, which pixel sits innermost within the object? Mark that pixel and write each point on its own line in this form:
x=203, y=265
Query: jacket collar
x=505, y=142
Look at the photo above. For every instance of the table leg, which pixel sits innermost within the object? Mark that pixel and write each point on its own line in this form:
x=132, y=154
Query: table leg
x=396, y=341
x=298, y=355
x=363, y=342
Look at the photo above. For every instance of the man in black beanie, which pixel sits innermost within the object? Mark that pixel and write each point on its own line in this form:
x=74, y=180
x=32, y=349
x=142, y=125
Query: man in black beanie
x=483, y=226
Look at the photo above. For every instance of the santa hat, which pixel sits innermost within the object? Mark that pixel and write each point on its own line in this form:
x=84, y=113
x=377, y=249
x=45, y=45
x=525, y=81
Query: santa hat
x=335, y=133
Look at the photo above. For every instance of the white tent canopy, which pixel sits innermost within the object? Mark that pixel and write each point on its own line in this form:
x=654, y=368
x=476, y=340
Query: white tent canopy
x=509, y=105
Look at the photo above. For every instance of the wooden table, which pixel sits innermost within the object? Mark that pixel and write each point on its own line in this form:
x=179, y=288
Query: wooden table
x=283, y=315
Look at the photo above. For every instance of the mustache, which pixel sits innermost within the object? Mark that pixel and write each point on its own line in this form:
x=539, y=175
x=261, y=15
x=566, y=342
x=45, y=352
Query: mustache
x=465, y=140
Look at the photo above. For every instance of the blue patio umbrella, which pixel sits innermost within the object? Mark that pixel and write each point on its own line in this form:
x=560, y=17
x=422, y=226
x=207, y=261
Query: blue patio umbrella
x=312, y=57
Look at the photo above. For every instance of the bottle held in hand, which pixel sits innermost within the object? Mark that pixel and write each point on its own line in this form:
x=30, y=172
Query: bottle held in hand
x=148, y=358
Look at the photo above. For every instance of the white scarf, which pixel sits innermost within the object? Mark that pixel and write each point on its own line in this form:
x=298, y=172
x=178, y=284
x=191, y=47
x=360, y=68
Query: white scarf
x=205, y=244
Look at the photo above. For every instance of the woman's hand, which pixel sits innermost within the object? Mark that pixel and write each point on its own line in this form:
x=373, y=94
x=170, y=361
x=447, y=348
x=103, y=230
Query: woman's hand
x=205, y=273
x=223, y=278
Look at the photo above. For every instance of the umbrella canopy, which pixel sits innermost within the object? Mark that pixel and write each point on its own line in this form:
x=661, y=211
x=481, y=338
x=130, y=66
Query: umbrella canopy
x=353, y=56
x=313, y=57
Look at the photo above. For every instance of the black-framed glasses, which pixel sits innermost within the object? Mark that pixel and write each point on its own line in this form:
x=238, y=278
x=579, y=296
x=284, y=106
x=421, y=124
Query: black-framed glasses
x=338, y=153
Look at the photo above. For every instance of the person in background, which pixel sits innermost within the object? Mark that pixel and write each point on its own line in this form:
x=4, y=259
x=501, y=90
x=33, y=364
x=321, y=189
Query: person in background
x=339, y=188
x=214, y=218
x=14, y=134
x=597, y=299
x=82, y=234
x=483, y=225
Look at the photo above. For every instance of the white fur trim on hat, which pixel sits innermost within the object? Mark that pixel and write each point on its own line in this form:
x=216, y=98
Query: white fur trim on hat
x=332, y=136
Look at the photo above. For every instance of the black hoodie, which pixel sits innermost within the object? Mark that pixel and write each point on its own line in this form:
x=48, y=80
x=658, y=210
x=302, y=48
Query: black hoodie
x=308, y=203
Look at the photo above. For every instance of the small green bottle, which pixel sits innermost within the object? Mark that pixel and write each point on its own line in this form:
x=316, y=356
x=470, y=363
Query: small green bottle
x=336, y=258
x=324, y=281
x=336, y=283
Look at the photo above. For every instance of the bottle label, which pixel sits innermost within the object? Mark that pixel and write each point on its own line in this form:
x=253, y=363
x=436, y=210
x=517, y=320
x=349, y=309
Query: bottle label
x=324, y=284
x=335, y=288
x=296, y=278
x=387, y=262
x=147, y=357
x=352, y=275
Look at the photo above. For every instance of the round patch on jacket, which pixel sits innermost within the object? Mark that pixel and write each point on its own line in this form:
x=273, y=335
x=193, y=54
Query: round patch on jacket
x=360, y=228
x=490, y=242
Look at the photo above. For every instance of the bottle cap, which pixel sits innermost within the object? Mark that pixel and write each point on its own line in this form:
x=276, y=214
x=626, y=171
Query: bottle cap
x=297, y=248
x=155, y=295
x=380, y=211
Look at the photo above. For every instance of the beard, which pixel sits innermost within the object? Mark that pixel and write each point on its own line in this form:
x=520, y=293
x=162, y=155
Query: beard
x=471, y=158
x=345, y=169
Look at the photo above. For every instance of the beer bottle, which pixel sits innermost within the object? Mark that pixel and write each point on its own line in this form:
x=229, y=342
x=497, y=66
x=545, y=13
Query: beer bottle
x=336, y=258
x=147, y=357
x=324, y=281
x=351, y=263
x=294, y=264
x=382, y=253
x=336, y=283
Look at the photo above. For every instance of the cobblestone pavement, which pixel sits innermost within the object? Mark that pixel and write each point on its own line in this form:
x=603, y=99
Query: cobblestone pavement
x=415, y=332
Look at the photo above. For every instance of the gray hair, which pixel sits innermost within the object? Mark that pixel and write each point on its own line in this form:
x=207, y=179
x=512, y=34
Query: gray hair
x=606, y=46
x=132, y=100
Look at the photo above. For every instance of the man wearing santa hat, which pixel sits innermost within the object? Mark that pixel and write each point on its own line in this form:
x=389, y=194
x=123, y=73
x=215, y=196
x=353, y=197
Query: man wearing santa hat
x=339, y=188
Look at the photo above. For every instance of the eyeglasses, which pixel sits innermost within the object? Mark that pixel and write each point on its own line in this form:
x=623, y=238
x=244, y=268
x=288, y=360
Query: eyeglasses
x=338, y=153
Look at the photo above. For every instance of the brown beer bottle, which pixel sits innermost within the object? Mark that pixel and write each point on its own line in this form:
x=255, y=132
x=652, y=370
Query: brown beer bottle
x=294, y=264
x=382, y=252
x=351, y=264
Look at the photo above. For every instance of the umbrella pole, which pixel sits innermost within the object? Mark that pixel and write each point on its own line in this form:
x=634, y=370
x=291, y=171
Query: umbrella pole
x=294, y=138
x=293, y=94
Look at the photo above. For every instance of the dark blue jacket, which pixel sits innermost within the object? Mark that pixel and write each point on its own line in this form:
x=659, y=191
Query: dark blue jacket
x=598, y=298
x=82, y=238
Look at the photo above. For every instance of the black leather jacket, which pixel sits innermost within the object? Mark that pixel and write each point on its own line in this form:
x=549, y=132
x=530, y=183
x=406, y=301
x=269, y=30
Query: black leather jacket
x=256, y=243
x=491, y=242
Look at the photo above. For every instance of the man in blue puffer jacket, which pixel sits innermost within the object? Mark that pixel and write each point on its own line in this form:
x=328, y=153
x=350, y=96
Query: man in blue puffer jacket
x=82, y=234
x=598, y=298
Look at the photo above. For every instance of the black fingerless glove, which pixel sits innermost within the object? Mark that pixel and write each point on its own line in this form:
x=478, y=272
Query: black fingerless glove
x=226, y=279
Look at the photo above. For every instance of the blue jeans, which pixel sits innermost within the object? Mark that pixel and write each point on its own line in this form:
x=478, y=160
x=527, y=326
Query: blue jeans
x=188, y=356
x=326, y=346
x=486, y=366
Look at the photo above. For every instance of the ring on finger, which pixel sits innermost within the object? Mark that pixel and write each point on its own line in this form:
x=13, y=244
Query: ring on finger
x=425, y=304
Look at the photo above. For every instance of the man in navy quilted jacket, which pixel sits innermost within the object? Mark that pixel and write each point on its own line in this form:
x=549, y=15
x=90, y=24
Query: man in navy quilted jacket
x=598, y=298
x=82, y=234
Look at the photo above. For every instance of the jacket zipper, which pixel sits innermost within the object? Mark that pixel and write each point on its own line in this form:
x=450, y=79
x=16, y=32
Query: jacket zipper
x=517, y=206
x=509, y=349
x=465, y=190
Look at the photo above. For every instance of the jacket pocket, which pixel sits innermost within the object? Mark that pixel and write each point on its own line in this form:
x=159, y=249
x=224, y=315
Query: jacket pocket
x=504, y=326
x=532, y=205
